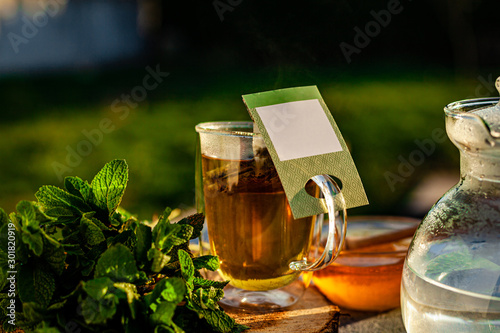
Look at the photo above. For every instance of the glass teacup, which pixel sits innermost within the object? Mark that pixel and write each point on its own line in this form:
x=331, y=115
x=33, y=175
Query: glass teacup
x=262, y=249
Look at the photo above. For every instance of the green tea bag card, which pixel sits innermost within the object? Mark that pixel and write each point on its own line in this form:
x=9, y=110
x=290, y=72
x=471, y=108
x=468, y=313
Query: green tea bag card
x=304, y=141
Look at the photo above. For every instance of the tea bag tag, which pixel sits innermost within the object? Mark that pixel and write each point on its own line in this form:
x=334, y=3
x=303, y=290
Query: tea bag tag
x=304, y=141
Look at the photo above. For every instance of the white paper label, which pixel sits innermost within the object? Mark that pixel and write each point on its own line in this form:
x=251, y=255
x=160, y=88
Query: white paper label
x=299, y=129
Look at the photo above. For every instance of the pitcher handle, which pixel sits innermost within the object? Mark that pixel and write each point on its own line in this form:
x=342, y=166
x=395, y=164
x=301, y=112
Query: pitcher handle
x=336, y=238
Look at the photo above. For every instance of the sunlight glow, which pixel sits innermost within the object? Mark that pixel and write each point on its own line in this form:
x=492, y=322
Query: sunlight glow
x=9, y=9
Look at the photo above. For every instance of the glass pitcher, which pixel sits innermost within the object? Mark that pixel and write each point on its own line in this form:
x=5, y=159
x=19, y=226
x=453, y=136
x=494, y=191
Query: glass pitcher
x=451, y=277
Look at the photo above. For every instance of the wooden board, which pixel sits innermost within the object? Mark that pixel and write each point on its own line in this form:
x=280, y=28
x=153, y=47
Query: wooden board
x=313, y=314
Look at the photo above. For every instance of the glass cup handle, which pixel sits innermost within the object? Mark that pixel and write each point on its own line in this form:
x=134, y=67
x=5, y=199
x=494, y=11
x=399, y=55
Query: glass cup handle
x=336, y=238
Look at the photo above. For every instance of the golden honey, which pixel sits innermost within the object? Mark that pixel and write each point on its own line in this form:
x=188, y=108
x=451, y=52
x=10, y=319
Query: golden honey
x=366, y=280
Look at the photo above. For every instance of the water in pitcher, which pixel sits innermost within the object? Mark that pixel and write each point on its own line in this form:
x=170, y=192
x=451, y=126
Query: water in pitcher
x=466, y=300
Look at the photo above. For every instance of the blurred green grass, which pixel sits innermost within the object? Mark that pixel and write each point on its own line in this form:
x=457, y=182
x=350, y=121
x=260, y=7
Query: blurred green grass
x=380, y=117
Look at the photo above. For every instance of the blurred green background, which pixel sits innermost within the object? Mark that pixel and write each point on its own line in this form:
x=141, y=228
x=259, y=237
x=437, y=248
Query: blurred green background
x=390, y=95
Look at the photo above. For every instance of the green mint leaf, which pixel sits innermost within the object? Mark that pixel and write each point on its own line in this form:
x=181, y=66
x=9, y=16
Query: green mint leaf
x=238, y=328
x=108, y=186
x=28, y=215
x=99, y=311
x=73, y=249
x=172, y=266
x=169, y=289
x=95, y=252
x=34, y=241
x=97, y=222
x=45, y=328
x=158, y=259
x=97, y=288
x=206, y=298
x=167, y=235
x=114, y=222
x=209, y=262
x=31, y=233
x=103, y=298
x=41, y=217
x=4, y=218
x=174, y=258
x=189, y=320
x=163, y=314
x=92, y=235
x=16, y=219
x=161, y=228
x=187, y=267
x=126, y=237
x=77, y=187
x=32, y=315
x=63, y=215
x=130, y=291
x=144, y=241
x=36, y=283
x=220, y=321
x=173, y=290
x=164, y=217
x=201, y=282
x=117, y=263
x=57, y=306
x=124, y=214
x=182, y=235
x=53, y=254
x=196, y=221
x=87, y=267
x=52, y=197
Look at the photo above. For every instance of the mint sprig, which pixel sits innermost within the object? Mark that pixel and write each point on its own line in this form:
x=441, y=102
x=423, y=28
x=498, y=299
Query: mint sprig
x=108, y=186
x=84, y=264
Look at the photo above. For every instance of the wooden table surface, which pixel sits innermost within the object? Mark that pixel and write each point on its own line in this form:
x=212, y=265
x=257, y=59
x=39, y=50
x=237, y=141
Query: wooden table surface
x=315, y=314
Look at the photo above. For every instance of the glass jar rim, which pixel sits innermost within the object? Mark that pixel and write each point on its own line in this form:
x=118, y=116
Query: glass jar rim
x=456, y=108
x=465, y=110
x=228, y=128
